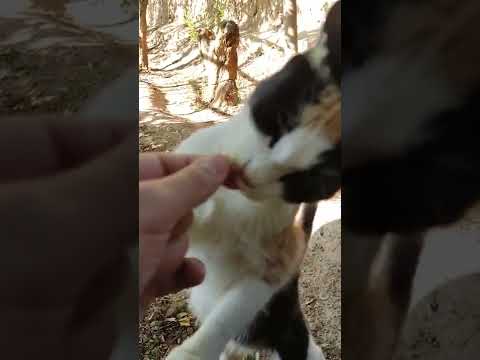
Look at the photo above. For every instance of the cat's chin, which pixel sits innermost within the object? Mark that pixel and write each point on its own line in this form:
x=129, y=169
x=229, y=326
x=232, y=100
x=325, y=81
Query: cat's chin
x=262, y=193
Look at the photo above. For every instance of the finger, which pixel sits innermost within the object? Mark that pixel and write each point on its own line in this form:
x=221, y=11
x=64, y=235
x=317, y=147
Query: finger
x=155, y=165
x=192, y=273
x=182, y=226
x=158, y=261
x=235, y=176
x=191, y=186
x=42, y=145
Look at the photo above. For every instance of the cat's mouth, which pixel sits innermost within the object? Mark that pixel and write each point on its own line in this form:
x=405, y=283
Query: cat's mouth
x=237, y=179
x=252, y=186
x=243, y=178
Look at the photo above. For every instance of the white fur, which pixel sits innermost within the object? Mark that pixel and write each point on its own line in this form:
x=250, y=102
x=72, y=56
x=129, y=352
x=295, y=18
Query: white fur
x=318, y=55
x=230, y=229
x=300, y=148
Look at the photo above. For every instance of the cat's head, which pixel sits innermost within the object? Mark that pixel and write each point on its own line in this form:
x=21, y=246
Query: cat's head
x=293, y=125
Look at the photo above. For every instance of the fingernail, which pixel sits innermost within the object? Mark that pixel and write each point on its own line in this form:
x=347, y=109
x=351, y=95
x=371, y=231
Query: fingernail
x=215, y=165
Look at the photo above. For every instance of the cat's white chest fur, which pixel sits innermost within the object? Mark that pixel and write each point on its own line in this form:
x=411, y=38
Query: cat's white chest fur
x=229, y=235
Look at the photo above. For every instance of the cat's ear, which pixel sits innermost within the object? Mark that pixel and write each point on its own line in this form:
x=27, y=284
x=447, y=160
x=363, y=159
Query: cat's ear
x=333, y=23
x=333, y=30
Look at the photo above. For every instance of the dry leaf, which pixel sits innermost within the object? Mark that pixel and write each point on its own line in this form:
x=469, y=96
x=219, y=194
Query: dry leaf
x=185, y=322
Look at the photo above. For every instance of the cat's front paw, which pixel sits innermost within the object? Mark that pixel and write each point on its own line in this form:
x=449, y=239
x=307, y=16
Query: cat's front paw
x=180, y=353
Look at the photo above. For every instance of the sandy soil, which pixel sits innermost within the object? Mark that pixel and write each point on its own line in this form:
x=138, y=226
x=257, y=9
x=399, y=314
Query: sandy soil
x=445, y=322
x=42, y=70
x=321, y=279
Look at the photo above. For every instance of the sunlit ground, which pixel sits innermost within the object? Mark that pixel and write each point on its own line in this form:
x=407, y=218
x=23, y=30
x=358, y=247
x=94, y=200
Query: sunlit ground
x=102, y=16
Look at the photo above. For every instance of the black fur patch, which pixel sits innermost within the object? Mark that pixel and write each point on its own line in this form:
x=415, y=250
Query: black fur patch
x=281, y=326
x=278, y=100
x=317, y=183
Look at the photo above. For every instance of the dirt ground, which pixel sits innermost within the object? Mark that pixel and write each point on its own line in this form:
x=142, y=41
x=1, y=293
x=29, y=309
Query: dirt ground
x=42, y=70
x=320, y=290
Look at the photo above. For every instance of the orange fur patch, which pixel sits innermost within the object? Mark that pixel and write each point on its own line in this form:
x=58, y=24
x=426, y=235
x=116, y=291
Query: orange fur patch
x=285, y=255
x=327, y=114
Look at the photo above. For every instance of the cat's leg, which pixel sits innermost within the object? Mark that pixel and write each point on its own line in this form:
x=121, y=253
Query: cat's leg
x=313, y=352
x=234, y=312
x=282, y=327
x=297, y=344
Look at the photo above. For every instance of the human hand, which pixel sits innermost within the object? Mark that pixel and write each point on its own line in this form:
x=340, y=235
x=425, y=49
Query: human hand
x=171, y=186
x=67, y=212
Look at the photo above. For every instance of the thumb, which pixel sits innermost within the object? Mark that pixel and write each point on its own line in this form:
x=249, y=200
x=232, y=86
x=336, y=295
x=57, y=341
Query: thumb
x=195, y=183
x=190, y=274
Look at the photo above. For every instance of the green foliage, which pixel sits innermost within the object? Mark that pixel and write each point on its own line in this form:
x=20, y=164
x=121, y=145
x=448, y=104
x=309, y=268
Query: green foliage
x=218, y=12
x=212, y=17
x=192, y=25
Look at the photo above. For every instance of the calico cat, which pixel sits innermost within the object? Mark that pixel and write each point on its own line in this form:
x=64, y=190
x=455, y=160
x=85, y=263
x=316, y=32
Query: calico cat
x=249, y=240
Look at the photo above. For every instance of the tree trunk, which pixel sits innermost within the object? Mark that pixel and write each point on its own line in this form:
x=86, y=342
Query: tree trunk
x=290, y=25
x=143, y=30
